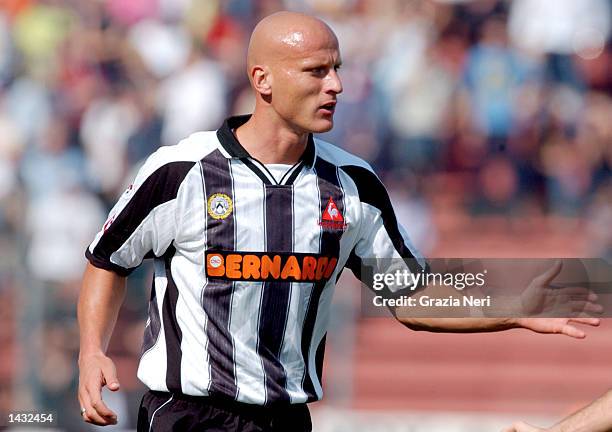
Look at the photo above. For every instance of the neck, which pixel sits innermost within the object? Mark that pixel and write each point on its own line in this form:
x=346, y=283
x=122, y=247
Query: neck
x=269, y=139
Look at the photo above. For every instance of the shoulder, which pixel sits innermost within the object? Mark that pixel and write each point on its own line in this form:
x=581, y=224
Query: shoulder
x=191, y=149
x=337, y=156
x=368, y=185
x=357, y=169
x=178, y=159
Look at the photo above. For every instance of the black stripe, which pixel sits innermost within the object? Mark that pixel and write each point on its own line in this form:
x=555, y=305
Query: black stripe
x=275, y=296
x=329, y=186
x=354, y=263
x=151, y=333
x=372, y=191
x=159, y=188
x=217, y=295
x=172, y=331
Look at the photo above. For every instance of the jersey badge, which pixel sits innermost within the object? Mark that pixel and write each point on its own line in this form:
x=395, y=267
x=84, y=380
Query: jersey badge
x=331, y=218
x=220, y=206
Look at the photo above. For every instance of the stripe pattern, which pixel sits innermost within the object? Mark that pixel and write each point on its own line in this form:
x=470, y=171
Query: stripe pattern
x=255, y=331
x=217, y=295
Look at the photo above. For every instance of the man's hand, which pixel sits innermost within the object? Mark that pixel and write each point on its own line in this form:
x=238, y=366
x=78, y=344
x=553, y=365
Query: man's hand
x=96, y=371
x=100, y=299
x=523, y=427
x=542, y=298
x=557, y=325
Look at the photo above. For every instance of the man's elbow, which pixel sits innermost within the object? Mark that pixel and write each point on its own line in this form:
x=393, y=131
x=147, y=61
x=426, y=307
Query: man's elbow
x=416, y=324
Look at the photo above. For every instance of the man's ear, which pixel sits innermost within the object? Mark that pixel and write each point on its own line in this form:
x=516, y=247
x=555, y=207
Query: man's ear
x=262, y=81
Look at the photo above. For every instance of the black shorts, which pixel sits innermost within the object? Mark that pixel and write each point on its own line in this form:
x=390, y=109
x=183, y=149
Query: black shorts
x=162, y=412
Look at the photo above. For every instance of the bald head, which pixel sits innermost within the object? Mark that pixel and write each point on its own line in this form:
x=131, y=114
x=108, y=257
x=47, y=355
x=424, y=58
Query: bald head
x=284, y=35
x=293, y=61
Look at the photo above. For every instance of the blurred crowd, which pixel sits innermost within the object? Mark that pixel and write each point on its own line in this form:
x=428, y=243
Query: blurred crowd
x=510, y=99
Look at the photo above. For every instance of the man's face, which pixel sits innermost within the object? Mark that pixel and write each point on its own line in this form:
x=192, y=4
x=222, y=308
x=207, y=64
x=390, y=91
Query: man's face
x=305, y=81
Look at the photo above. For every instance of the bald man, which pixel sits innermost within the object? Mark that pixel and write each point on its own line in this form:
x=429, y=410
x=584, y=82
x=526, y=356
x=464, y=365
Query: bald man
x=249, y=227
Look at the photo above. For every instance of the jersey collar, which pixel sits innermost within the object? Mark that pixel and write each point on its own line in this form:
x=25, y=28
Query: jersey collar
x=235, y=150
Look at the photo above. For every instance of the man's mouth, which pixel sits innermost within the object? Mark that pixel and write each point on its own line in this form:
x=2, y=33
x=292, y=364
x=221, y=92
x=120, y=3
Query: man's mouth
x=328, y=108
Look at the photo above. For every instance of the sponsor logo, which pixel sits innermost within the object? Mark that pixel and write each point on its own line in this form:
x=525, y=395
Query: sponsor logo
x=219, y=206
x=331, y=218
x=260, y=266
x=215, y=261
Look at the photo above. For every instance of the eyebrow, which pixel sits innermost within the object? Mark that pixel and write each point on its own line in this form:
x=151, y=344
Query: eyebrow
x=311, y=63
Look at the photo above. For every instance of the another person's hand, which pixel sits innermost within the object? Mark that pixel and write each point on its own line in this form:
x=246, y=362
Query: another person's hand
x=523, y=427
x=96, y=371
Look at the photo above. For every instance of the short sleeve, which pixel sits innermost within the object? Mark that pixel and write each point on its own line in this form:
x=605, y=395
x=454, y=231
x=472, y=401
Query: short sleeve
x=382, y=245
x=143, y=221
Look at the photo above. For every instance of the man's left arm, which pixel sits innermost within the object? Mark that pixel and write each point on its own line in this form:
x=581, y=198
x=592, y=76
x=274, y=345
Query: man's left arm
x=565, y=326
x=538, y=288
x=382, y=237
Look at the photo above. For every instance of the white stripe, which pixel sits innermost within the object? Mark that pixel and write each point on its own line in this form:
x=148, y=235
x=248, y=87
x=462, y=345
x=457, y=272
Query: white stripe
x=155, y=412
x=231, y=309
x=189, y=276
x=244, y=326
x=306, y=238
x=147, y=236
x=194, y=369
x=306, y=235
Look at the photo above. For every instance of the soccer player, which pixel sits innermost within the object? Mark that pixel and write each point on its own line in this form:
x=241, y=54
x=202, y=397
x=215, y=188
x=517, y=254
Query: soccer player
x=597, y=417
x=249, y=227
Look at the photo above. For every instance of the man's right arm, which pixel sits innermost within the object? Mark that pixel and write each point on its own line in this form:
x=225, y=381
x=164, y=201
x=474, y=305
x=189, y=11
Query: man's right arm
x=100, y=299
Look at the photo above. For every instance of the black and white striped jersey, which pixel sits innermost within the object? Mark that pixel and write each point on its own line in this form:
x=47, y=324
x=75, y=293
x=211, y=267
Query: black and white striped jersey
x=245, y=265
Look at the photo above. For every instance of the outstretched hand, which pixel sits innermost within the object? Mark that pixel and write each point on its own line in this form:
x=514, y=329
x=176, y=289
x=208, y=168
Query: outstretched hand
x=542, y=298
x=558, y=325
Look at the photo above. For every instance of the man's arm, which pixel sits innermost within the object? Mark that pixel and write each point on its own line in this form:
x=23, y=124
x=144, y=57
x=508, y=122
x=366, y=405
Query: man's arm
x=101, y=297
x=381, y=236
x=596, y=417
x=480, y=325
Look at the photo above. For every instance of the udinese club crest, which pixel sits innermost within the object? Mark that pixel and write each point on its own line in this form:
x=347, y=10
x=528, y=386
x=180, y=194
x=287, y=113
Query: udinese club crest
x=220, y=206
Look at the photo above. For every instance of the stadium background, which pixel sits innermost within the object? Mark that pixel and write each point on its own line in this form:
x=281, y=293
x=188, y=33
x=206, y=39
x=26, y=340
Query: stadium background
x=490, y=122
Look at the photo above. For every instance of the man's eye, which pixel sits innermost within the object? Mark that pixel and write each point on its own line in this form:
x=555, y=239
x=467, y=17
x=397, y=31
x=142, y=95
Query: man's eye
x=317, y=71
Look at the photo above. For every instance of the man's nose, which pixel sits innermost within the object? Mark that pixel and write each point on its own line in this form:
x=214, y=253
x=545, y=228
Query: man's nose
x=334, y=84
